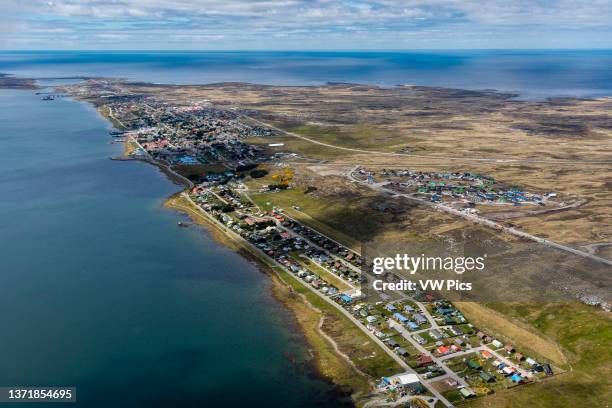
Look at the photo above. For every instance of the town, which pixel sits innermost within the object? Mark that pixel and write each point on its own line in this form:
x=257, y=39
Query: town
x=445, y=359
x=458, y=187
x=444, y=355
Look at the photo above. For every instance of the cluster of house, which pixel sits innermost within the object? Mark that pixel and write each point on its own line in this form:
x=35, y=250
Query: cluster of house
x=308, y=276
x=409, y=317
x=447, y=312
x=529, y=364
x=222, y=201
x=377, y=317
x=504, y=369
x=288, y=242
x=456, y=186
x=199, y=134
x=403, y=384
x=188, y=135
x=332, y=247
x=453, y=334
x=270, y=232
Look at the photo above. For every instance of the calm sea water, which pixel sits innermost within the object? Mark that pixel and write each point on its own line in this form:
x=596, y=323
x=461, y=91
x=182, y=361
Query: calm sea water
x=100, y=289
x=531, y=74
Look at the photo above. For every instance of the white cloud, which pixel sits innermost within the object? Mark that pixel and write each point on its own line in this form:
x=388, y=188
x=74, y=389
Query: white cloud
x=291, y=21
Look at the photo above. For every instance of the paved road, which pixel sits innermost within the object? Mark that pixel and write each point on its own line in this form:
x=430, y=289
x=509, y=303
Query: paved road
x=407, y=335
x=310, y=242
x=593, y=248
x=462, y=158
x=166, y=167
x=495, y=354
x=376, y=340
x=424, y=311
x=112, y=116
x=471, y=217
x=340, y=259
x=479, y=220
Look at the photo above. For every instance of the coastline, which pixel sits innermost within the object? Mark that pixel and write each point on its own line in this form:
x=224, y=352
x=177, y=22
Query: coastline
x=329, y=361
x=329, y=358
x=170, y=335
x=10, y=81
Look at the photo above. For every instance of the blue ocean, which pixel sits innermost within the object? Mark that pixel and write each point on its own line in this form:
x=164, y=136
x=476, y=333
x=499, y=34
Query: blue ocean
x=532, y=74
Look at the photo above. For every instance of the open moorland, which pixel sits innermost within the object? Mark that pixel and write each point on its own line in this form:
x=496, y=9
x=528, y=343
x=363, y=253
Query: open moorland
x=560, y=145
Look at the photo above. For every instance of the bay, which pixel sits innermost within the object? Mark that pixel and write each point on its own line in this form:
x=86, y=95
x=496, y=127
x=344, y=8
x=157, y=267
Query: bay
x=100, y=289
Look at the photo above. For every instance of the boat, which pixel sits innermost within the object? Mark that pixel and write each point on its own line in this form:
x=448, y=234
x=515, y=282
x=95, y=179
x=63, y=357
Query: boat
x=48, y=98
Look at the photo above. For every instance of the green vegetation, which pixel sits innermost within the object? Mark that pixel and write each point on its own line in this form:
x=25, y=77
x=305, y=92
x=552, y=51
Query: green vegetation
x=530, y=340
x=571, y=336
x=105, y=112
x=194, y=171
x=350, y=339
x=342, y=217
x=453, y=395
x=296, y=145
x=362, y=136
x=366, y=355
x=258, y=173
x=327, y=276
x=358, y=136
x=585, y=334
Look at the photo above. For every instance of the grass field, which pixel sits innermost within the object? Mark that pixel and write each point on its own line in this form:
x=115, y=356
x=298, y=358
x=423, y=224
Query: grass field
x=583, y=335
x=494, y=322
x=316, y=211
x=360, y=136
x=129, y=147
x=328, y=362
x=343, y=215
x=454, y=125
x=366, y=355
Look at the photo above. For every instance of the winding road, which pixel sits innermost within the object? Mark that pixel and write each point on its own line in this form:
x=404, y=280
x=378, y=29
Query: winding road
x=428, y=156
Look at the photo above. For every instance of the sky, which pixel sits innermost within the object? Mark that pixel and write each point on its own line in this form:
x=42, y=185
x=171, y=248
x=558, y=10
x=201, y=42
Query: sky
x=303, y=24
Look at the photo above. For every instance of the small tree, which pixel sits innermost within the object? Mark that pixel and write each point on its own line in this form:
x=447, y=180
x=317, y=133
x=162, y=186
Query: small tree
x=259, y=173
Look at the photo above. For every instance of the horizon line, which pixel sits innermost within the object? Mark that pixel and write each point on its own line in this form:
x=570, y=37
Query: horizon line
x=306, y=50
